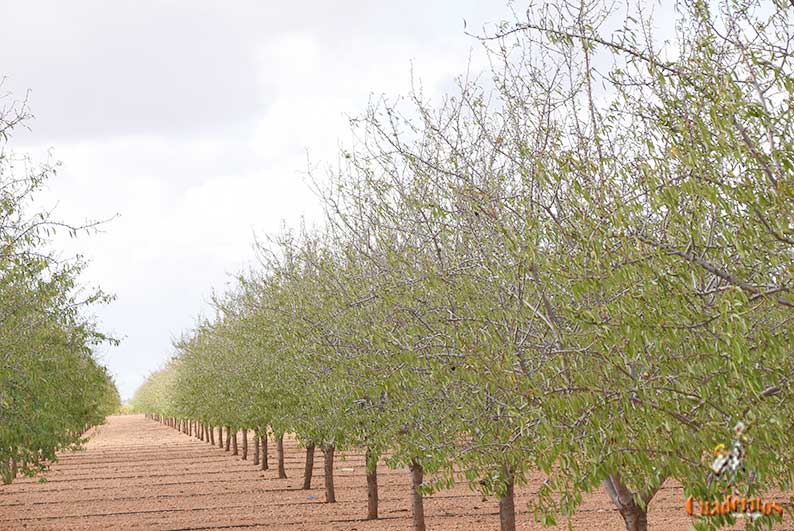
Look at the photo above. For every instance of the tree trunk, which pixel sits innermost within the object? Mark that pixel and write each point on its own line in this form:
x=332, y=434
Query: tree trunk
x=282, y=474
x=5, y=472
x=507, y=507
x=417, y=503
x=234, y=442
x=256, y=447
x=372, y=487
x=220, y=436
x=211, y=437
x=228, y=438
x=328, y=458
x=245, y=444
x=634, y=516
x=308, y=467
x=265, y=464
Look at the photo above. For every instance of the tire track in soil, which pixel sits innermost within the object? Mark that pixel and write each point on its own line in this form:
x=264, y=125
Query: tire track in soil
x=136, y=474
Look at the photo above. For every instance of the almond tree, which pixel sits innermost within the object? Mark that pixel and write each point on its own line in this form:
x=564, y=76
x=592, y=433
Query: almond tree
x=52, y=389
x=683, y=253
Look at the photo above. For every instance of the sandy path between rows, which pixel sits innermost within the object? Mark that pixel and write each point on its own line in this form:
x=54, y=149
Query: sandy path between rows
x=136, y=474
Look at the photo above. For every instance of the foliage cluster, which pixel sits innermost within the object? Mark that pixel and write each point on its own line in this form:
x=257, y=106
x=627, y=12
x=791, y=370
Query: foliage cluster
x=52, y=388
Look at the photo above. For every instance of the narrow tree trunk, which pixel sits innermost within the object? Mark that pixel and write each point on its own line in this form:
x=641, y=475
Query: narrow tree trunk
x=228, y=438
x=417, y=503
x=507, y=506
x=5, y=472
x=634, y=516
x=245, y=444
x=234, y=442
x=256, y=447
x=265, y=464
x=220, y=436
x=328, y=458
x=372, y=486
x=309, y=467
x=280, y=454
x=211, y=438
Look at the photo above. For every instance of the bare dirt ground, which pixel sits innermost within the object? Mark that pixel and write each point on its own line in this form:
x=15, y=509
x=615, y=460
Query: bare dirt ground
x=137, y=474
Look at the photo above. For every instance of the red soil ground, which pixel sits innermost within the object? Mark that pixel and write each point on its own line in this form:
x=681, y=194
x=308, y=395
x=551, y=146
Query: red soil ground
x=138, y=474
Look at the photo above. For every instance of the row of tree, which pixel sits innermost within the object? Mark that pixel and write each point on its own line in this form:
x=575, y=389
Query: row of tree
x=51, y=386
x=580, y=266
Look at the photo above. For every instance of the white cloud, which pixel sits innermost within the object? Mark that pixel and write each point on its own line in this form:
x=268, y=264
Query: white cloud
x=192, y=122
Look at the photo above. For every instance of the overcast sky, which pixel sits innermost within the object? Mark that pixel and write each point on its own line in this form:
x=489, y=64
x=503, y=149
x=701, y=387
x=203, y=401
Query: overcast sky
x=191, y=120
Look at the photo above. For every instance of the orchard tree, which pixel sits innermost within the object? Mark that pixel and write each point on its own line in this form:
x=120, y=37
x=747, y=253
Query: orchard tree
x=52, y=389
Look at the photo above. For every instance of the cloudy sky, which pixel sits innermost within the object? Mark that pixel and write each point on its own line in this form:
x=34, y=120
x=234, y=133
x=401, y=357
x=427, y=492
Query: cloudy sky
x=191, y=121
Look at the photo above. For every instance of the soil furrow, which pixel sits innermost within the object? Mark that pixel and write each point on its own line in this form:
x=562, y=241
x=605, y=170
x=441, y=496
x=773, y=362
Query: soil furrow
x=138, y=475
